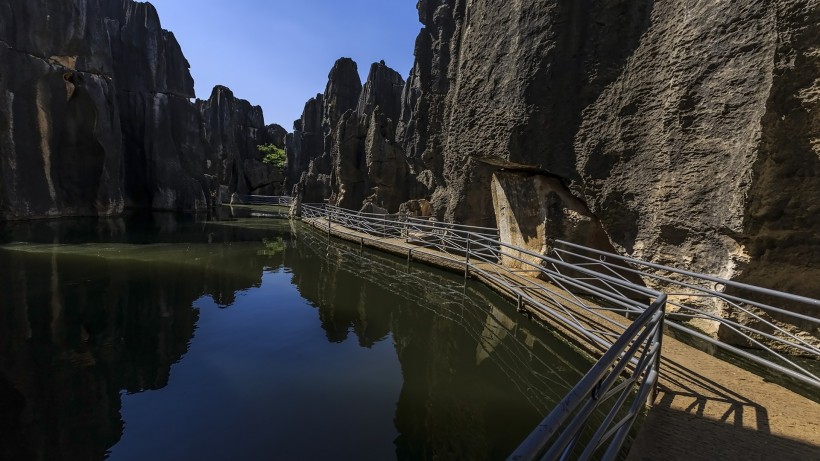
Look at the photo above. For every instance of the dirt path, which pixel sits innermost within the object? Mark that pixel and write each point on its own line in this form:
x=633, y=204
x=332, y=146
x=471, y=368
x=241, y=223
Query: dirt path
x=708, y=409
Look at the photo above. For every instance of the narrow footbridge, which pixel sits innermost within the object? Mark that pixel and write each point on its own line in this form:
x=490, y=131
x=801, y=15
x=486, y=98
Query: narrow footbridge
x=645, y=323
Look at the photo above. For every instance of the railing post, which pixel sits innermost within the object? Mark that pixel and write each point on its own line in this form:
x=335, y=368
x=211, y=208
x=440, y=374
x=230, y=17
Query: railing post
x=657, y=365
x=467, y=260
x=327, y=210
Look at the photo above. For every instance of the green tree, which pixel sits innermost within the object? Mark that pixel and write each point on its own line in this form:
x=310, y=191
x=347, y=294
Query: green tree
x=272, y=155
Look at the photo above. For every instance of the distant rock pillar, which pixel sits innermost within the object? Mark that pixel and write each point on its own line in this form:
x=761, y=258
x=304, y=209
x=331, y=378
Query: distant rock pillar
x=296, y=207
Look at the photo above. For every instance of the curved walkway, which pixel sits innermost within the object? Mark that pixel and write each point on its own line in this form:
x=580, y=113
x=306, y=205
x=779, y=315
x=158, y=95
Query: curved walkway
x=706, y=408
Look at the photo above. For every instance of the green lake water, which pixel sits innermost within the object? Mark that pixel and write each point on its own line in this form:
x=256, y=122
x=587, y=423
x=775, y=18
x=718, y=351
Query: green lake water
x=157, y=337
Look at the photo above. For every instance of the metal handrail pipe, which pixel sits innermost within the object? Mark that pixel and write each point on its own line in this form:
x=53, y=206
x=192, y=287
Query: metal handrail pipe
x=708, y=291
x=637, y=306
x=799, y=342
x=619, y=438
x=457, y=226
x=630, y=305
x=453, y=226
x=638, y=288
x=537, y=441
x=766, y=291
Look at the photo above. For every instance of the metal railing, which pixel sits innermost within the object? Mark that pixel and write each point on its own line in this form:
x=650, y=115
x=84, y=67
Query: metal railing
x=768, y=335
x=557, y=436
x=532, y=374
x=621, y=381
x=239, y=199
x=445, y=237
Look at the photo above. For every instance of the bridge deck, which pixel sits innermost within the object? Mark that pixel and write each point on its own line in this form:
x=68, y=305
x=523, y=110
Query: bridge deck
x=706, y=408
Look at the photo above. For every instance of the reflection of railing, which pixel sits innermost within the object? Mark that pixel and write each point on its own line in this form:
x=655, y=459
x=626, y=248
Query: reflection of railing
x=239, y=199
x=622, y=380
x=532, y=374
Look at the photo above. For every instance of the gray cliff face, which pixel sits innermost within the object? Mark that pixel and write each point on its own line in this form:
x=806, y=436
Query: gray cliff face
x=95, y=114
x=678, y=132
x=59, y=132
x=704, y=151
x=233, y=129
x=687, y=131
x=275, y=134
x=163, y=145
x=369, y=166
x=360, y=161
x=305, y=143
x=308, y=150
x=503, y=85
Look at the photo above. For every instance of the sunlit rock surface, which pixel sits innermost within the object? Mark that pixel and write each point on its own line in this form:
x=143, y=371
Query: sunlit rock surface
x=686, y=130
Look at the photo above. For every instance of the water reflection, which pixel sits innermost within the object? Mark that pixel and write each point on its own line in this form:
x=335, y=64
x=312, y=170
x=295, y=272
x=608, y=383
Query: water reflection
x=463, y=352
x=89, y=308
x=80, y=322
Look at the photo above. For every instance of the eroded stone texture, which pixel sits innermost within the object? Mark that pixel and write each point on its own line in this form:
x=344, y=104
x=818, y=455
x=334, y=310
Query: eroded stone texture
x=59, y=132
x=533, y=210
x=687, y=129
x=276, y=135
x=95, y=116
x=700, y=155
x=95, y=113
x=306, y=142
x=505, y=84
x=361, y=161
x=234, y=129
x=320, y=120
x=164, y=149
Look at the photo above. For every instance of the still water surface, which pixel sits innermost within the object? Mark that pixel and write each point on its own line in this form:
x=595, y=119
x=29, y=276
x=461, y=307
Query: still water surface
x=167, y=338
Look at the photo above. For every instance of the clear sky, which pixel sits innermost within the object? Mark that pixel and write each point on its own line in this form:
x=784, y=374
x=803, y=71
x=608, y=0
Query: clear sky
x=277, y=53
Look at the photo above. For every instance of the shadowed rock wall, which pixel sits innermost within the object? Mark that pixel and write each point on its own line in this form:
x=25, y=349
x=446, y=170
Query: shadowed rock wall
x=359, y=160
x=60, y=144
x=95, y=116
x=234, y=129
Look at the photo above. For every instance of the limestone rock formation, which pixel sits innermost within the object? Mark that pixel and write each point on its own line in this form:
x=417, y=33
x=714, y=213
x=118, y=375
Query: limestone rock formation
x=60, y=143
x=360, y=161
x=715, y=152
x=234, y=129
x=163, y=148
x=275, y=134
x=95, y=116
x=308, y=150
x=685, y=132
x=305, y=143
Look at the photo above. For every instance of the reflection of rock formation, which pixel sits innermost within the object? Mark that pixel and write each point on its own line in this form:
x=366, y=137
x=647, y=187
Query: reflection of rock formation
x=341, y=297
x=461, y=356
x=80, y=323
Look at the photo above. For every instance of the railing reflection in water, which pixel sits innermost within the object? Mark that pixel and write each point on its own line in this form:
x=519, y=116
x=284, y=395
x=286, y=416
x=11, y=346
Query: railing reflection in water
x=616, y=389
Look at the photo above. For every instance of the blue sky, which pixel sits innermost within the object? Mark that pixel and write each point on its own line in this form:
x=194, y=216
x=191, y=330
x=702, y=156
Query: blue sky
x=277, y=53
